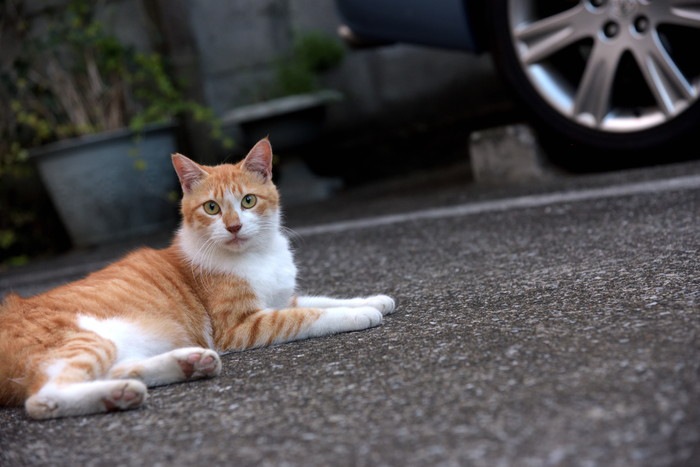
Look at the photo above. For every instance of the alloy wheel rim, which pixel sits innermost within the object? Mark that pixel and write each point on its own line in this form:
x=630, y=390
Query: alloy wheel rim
x=616, y=66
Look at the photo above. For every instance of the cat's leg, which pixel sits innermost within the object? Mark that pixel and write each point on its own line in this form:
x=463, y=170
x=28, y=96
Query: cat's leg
x=267, y=327
x=383, y=303
x=64, y=400
x=178, y=365
x=68, y=380
x=338, y=319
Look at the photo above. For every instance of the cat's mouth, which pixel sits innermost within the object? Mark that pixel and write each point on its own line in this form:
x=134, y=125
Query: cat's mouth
x=235, y=242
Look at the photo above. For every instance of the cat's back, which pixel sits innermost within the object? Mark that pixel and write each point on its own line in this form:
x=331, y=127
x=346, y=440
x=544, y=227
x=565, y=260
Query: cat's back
x=144, y=280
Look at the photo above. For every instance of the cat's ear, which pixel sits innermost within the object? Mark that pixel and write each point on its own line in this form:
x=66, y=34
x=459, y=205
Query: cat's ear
x=259, y=159
x=188, y=171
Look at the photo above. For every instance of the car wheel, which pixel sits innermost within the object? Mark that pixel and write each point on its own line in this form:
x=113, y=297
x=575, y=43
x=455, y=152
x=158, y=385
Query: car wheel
x=617, y=78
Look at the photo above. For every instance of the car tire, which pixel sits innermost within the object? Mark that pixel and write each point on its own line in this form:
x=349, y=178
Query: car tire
x=572, y=65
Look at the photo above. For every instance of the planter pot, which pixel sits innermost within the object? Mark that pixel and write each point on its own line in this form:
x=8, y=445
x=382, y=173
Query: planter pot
x=289, y=121
x=113, y=185
x=292, y=123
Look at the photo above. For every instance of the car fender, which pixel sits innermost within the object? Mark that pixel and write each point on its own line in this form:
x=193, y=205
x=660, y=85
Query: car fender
x=437, y=23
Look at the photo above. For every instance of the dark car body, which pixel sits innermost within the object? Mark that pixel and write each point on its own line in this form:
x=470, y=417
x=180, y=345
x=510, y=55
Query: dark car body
x=442, y=23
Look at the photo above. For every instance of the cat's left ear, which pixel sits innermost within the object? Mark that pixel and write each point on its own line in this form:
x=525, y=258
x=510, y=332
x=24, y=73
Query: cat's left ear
x=188, y=171
x=259, y=159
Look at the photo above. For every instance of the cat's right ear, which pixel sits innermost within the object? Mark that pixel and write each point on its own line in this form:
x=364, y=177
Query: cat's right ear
x=188, y=171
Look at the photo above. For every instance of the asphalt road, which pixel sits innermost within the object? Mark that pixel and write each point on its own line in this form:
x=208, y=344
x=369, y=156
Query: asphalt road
x=555, y=323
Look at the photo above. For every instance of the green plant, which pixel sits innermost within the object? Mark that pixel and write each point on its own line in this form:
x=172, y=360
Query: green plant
x=76, y=78
x=63, y=75
x=312, y=53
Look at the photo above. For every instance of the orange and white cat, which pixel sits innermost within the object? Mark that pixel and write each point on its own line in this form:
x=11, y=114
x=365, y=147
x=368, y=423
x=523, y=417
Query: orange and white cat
x=227, y=282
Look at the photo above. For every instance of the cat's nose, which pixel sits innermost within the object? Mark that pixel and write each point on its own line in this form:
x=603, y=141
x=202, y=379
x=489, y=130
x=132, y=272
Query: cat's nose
x=234, y=228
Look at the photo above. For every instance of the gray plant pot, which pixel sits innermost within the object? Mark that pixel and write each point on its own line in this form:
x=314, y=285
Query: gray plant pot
x=113, y=185
x=289, y=121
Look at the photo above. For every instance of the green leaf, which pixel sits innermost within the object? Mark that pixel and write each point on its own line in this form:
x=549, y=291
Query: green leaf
x=140, y=165
x=7, y=239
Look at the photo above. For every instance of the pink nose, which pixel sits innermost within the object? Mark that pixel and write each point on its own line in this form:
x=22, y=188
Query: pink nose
x=234, y=228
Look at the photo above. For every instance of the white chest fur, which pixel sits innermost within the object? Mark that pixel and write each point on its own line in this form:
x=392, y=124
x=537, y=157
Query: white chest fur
x=271, y=274
x=270, y=271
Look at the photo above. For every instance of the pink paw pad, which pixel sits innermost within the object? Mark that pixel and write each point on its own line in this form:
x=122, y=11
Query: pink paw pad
x=124, y=398
x=200, y=365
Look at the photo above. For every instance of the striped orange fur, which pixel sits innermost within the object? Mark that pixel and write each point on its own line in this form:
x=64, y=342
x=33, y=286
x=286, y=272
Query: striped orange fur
x=227, y=282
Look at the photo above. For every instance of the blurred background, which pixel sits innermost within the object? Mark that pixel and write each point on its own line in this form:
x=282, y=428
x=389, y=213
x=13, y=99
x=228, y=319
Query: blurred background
x=369, y=113
x=208, y=79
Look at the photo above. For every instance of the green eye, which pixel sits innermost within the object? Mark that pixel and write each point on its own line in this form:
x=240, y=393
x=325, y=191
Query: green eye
x=249, y=201
x=210, y=207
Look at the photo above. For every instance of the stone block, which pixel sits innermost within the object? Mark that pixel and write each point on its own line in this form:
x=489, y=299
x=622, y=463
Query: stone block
x=506, y=154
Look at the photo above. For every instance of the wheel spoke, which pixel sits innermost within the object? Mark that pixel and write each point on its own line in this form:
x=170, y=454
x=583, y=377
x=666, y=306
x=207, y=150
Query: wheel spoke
x=683, y=13
x=667, y=83
x=544, y=37
x=592, y=100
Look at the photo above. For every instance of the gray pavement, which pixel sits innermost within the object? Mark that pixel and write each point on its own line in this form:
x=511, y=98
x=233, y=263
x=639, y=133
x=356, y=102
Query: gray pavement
x=555, y=323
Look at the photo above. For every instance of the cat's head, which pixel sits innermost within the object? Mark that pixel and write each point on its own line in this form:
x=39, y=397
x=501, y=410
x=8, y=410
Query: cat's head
x=232, y=207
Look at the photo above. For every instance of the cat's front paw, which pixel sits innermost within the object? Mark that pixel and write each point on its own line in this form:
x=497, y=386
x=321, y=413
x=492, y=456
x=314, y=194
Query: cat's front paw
x=366, y=317
x=344, y=319
x=383, y=303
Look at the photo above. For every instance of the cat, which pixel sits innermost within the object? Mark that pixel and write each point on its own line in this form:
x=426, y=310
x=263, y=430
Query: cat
x=227, y=282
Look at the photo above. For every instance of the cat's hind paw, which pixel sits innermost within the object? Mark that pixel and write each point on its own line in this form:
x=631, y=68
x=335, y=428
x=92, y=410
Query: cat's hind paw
x=127, y=395
x=198, y=363
x=383, y=303
x=41, y=407
x=86, y=398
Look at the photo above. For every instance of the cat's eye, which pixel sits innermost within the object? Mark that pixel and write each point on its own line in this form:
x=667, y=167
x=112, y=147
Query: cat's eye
x=211, y=208
x=249, y=201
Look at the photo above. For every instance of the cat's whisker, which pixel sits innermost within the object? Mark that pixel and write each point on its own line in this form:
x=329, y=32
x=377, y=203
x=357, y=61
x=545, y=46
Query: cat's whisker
x=206, y=255
x=292, y=234
x=198, y=261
